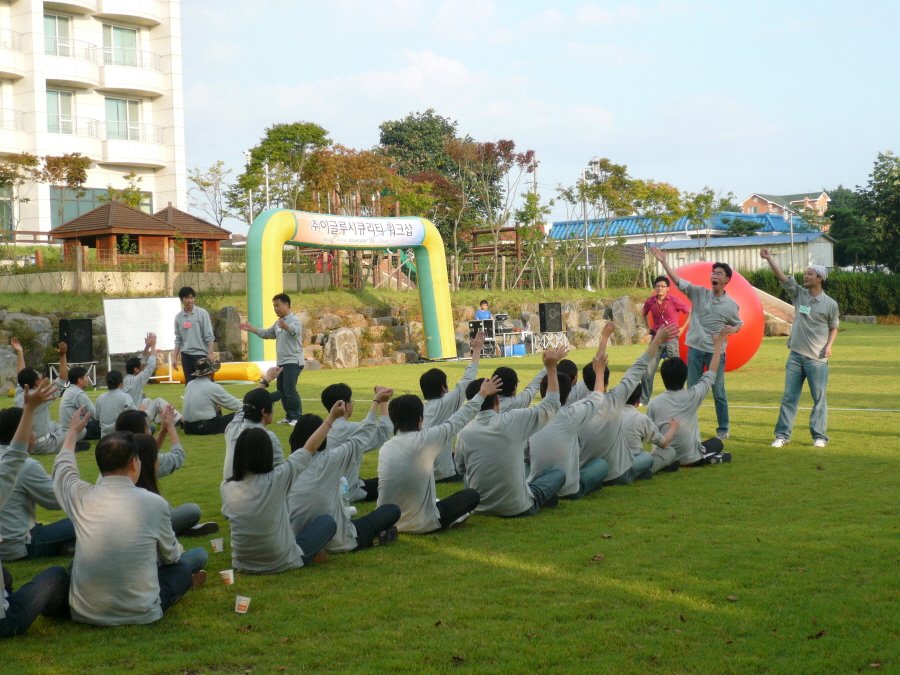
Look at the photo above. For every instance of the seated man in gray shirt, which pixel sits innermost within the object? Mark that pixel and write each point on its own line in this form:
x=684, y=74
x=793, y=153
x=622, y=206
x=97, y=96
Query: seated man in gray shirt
x=129, y=567
x=20, y=535
x=509, y=397
x=638, y=430
x=203, y=401
x=490, y=450
x=73, y=399
x=112, y=403
x=682, y=404
x=138, y=373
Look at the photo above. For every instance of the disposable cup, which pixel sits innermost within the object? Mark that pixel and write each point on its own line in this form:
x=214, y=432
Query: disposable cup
x=241, y=604
x=227, y=577
x=218, y=545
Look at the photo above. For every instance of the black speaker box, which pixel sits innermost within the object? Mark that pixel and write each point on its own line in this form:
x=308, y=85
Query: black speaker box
x=78, y=334
x=487, y=325
x=550, y=314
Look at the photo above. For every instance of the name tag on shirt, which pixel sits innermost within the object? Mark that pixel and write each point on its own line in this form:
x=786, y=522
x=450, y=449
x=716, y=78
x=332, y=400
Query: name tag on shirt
x=804, y=309
x=187, y=324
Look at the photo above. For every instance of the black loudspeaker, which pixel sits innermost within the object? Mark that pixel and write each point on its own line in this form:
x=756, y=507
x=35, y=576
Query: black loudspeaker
x=487, y=325
x=78, y=334
x=550, y=314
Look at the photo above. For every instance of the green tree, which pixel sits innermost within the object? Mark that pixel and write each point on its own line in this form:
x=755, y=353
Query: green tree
x=17, y=174
x=131, y=195
x=418, y=143
x=68, y=174
x=530, y=218
x=208, y=191
x=855, y=240
x=609, y=192
x=882, y=205
x=288, y=151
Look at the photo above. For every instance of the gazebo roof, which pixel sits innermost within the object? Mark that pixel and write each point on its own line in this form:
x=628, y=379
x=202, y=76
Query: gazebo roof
x=114, y=218
x=190, y=225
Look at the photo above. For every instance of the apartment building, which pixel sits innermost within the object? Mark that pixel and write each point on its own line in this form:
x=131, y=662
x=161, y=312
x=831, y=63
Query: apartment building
x=99, y=77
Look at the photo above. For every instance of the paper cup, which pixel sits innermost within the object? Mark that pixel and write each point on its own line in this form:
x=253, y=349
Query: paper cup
x=227, y=577
x=218, y=545
x=241, y=604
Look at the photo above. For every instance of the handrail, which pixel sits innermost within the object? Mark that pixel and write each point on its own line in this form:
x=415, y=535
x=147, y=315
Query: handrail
x=11, y=119
x=10, y=39
x=128, y=131
x=76, y=126
x=121, y=56
x=68, y=48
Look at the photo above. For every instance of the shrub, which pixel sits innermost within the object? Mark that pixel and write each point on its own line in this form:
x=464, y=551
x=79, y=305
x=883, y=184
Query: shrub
x=866, y=293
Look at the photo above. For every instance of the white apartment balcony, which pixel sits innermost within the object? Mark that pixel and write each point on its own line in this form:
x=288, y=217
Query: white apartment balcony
x=71, y=6
x=13, y=139
x=69, y=134
x=12, y=60
x=127, y=144
x=132, y=72
x=141, y=12
x=72, y=63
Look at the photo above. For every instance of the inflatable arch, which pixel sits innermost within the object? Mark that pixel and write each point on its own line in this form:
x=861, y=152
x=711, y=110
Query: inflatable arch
x=274, y=228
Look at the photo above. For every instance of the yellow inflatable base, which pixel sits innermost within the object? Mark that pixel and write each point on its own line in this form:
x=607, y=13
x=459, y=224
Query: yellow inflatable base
x=231, y=371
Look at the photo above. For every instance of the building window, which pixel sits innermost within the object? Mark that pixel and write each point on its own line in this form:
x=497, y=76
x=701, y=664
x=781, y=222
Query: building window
x=57, y=35
x=66, y=204
x=753, y=209
x=6, y=210
x=120, y=47
x=123, y=119
x=60, y=107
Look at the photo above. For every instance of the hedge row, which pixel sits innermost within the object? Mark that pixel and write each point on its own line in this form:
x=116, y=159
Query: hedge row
x=862, y=293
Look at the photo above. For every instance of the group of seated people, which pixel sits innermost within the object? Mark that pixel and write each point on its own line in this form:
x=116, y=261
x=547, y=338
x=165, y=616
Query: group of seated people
x=513, y=457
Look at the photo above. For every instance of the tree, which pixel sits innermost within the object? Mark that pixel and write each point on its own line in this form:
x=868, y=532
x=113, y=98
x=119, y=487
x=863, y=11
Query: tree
x=659, y=203
x=882, y=205
x=287, y=151
x=530, y=218
x=610, y=192
x=208, y=192
x=418, y=143
x=131, y=195
x=740, y=227
x=17, y=174
x=855, y=240
x=66, y=173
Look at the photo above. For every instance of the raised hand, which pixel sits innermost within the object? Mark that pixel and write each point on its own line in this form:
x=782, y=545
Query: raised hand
x=659, y=254
x=490, y=387
x=273, y=373
x=243, y=325
x=43, y=392
x=599, y=365
x=608, y=329
x=15, y=344
x=338, y=410
x=383, y=394
x=477, y=342
x=552, y=357
x=79, y=421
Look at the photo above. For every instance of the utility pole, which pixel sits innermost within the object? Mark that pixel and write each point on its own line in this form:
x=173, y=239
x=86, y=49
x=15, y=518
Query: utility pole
x=587, y=254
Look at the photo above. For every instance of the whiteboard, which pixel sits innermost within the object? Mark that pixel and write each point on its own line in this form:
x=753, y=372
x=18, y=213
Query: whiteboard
x=128, y=320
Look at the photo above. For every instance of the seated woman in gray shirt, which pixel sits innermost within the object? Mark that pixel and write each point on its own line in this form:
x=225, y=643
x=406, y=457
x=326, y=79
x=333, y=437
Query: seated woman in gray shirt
x=254, y=499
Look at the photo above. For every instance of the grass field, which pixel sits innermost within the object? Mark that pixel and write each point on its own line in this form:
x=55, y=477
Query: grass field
x=783, y=561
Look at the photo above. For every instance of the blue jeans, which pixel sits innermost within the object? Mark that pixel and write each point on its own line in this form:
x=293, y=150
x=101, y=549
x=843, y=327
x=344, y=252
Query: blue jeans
x=798, y=369
x=668, y=350
x=590, y=478
x=697, y=361
x=642, y=462
x=196, y=558
x=543, y=488
x=287, y=385
x=47, y=594
x=46, y=540
x=184, y=517
x=313, y=539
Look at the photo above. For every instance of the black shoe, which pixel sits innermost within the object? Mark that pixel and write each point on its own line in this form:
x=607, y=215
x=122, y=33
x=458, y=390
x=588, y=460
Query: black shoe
x=674, y=466
x=385, y=537
x=721, y=458
x=67, y=549
x=81, y=446
x=201, y=530
x=646, y=475
x=551, y=503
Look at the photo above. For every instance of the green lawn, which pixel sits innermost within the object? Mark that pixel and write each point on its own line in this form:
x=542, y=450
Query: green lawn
x=782, y=561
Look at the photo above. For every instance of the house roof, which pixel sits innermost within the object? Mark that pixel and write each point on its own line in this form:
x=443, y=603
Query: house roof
x=113, y=218
x=786, y=200
x=757, y=241
x=190, y=225
x=641, y=226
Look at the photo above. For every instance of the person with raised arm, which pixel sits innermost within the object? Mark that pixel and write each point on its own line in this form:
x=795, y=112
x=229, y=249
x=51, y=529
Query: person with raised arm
x=816, y=321
x=682, y=404
x=711, y=309
x=47, y=593
x=138, y=372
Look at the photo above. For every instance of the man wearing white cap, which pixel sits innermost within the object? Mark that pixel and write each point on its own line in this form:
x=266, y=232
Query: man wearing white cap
x=812, y=337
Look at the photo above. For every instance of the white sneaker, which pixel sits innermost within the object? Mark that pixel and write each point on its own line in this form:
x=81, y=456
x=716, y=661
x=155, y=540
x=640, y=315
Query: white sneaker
x=820, y=443
x=287, y=421
x=779, y=443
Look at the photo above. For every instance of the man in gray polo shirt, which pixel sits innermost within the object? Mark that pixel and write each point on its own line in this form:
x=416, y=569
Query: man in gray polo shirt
x=288, y=335
x=710, y=310
x=812, y=337
x=193, y=334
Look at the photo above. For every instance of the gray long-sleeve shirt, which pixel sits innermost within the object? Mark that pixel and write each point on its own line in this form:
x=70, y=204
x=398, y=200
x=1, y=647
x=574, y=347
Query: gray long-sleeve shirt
x=490, y=451
x=406, y=470
x=43, y=425
x=201, y=396
x=234, y=429
x=523, y=398
x=316, y=491
x=170, y=462
x=12, y=459
x=123, y=532
x=683, y=405
x=342, y=431
x=438, y=410
x=108, y=408
x=262, y=541
x=709, y=313
x=17, y=515
x=133, y=385
x=639, y=429
x=193, y=332
x=814, y=317
x=288, y=343
x=72, y=399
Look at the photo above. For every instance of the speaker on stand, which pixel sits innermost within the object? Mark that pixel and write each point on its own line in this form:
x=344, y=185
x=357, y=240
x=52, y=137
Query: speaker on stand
x=78, y=334
x=550, y=314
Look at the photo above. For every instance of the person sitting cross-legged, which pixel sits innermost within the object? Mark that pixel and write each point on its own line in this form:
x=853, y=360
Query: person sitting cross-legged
x=47, y=592
x=490, y=450
x=111, y=403
x=405, y=464
x=256, y=413
x=638, y=430
x=319, y=489
x=682, y=404
x=138, y=371
x=129, y=568
x=73, y=398
x=204, y=400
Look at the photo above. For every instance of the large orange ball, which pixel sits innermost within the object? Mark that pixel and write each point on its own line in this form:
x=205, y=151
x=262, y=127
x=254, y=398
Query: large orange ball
x=743, y=345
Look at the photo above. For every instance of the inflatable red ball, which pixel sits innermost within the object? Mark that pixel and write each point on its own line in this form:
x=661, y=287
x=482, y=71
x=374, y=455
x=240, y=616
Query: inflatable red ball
x=743, y=345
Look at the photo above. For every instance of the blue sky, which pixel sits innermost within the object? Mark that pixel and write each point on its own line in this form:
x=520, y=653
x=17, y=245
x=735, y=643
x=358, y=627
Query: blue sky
x=773, y=97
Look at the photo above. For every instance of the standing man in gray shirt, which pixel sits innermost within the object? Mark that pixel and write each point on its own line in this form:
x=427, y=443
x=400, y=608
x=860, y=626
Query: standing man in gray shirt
x=710, y=310
x=193, y=334
x=812, y=337
x=288, y=335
